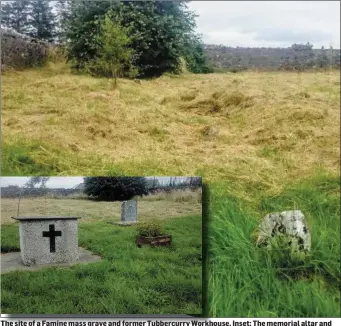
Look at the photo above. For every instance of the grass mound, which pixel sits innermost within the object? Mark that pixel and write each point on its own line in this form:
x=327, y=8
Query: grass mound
x=218, y=103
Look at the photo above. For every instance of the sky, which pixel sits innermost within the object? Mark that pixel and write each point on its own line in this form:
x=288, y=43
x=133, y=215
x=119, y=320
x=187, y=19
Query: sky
x=58, y=182
x=268, y=23
x=53, y=182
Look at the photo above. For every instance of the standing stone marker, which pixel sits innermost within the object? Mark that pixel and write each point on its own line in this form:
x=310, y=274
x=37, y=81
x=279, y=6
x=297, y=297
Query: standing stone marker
x=129, y=212
x=48, y=239
x=289, y=223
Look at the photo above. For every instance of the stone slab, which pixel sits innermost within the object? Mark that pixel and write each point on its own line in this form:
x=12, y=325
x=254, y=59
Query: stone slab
x=31, y=218
x=12, y=261
x=289, y=223
x=129, y=211
x=48, y=241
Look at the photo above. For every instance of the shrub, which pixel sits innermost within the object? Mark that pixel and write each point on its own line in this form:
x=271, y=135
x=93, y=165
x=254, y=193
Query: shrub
x=157, y=31
x=115, y=188
x=115, y=54
x=151, y=228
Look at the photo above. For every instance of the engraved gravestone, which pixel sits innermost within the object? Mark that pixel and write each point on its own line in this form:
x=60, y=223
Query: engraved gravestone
x=129, y=212
x=48, y=239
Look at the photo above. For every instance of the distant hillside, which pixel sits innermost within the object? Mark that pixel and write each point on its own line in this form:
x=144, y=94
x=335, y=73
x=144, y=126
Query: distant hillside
x=223, y=57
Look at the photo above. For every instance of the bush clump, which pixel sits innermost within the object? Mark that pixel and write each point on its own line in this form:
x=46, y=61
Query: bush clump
x=151, y=228
x=115, y=188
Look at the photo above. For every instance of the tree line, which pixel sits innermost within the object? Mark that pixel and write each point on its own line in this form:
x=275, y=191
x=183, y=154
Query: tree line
x=297, y=57
x=114, y=38
x=20, y=192
x=103, y=188
x=144, y=39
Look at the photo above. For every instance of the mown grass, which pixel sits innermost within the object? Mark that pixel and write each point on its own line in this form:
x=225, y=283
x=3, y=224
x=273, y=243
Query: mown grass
x=94, y=211
x=129, y=280
x=258, y=138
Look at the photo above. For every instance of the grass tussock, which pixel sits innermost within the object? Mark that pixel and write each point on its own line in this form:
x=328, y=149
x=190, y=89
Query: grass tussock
x=219, y=103
x=209, y=131
x=188, y=96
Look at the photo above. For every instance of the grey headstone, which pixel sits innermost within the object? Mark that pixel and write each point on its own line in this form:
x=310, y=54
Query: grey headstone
x=48, y=239
x=129, y=211
x=289, y=223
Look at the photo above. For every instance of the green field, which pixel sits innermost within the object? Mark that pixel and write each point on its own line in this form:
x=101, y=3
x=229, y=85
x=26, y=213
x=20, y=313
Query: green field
x=129, y=280
x=277, y=147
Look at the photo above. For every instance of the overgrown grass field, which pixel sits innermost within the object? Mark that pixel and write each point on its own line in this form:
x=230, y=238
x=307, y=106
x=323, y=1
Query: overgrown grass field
x=271, y=125
x=129, y=280
x=264, y=141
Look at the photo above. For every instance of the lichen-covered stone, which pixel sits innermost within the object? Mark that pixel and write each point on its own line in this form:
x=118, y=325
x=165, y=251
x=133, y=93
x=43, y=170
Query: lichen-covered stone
x=289, y=223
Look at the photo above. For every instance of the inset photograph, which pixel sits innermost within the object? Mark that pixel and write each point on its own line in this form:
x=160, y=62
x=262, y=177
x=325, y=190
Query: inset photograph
x=101, y=245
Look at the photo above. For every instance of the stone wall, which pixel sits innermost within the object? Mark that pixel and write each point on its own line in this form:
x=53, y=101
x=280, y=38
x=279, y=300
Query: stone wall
x=19, y=51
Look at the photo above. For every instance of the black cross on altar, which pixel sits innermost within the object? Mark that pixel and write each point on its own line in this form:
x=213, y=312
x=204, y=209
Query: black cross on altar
x=52, y=234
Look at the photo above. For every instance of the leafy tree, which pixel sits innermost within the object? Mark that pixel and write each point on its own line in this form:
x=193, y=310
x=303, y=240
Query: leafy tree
x=15, y=15
x=42, y=20
x=195, y=57
x=6, y=15
x=159, y=32
x=33, y=181
x=63, y=9
x=81, y=31
x=113, y=49
x=115, y=188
